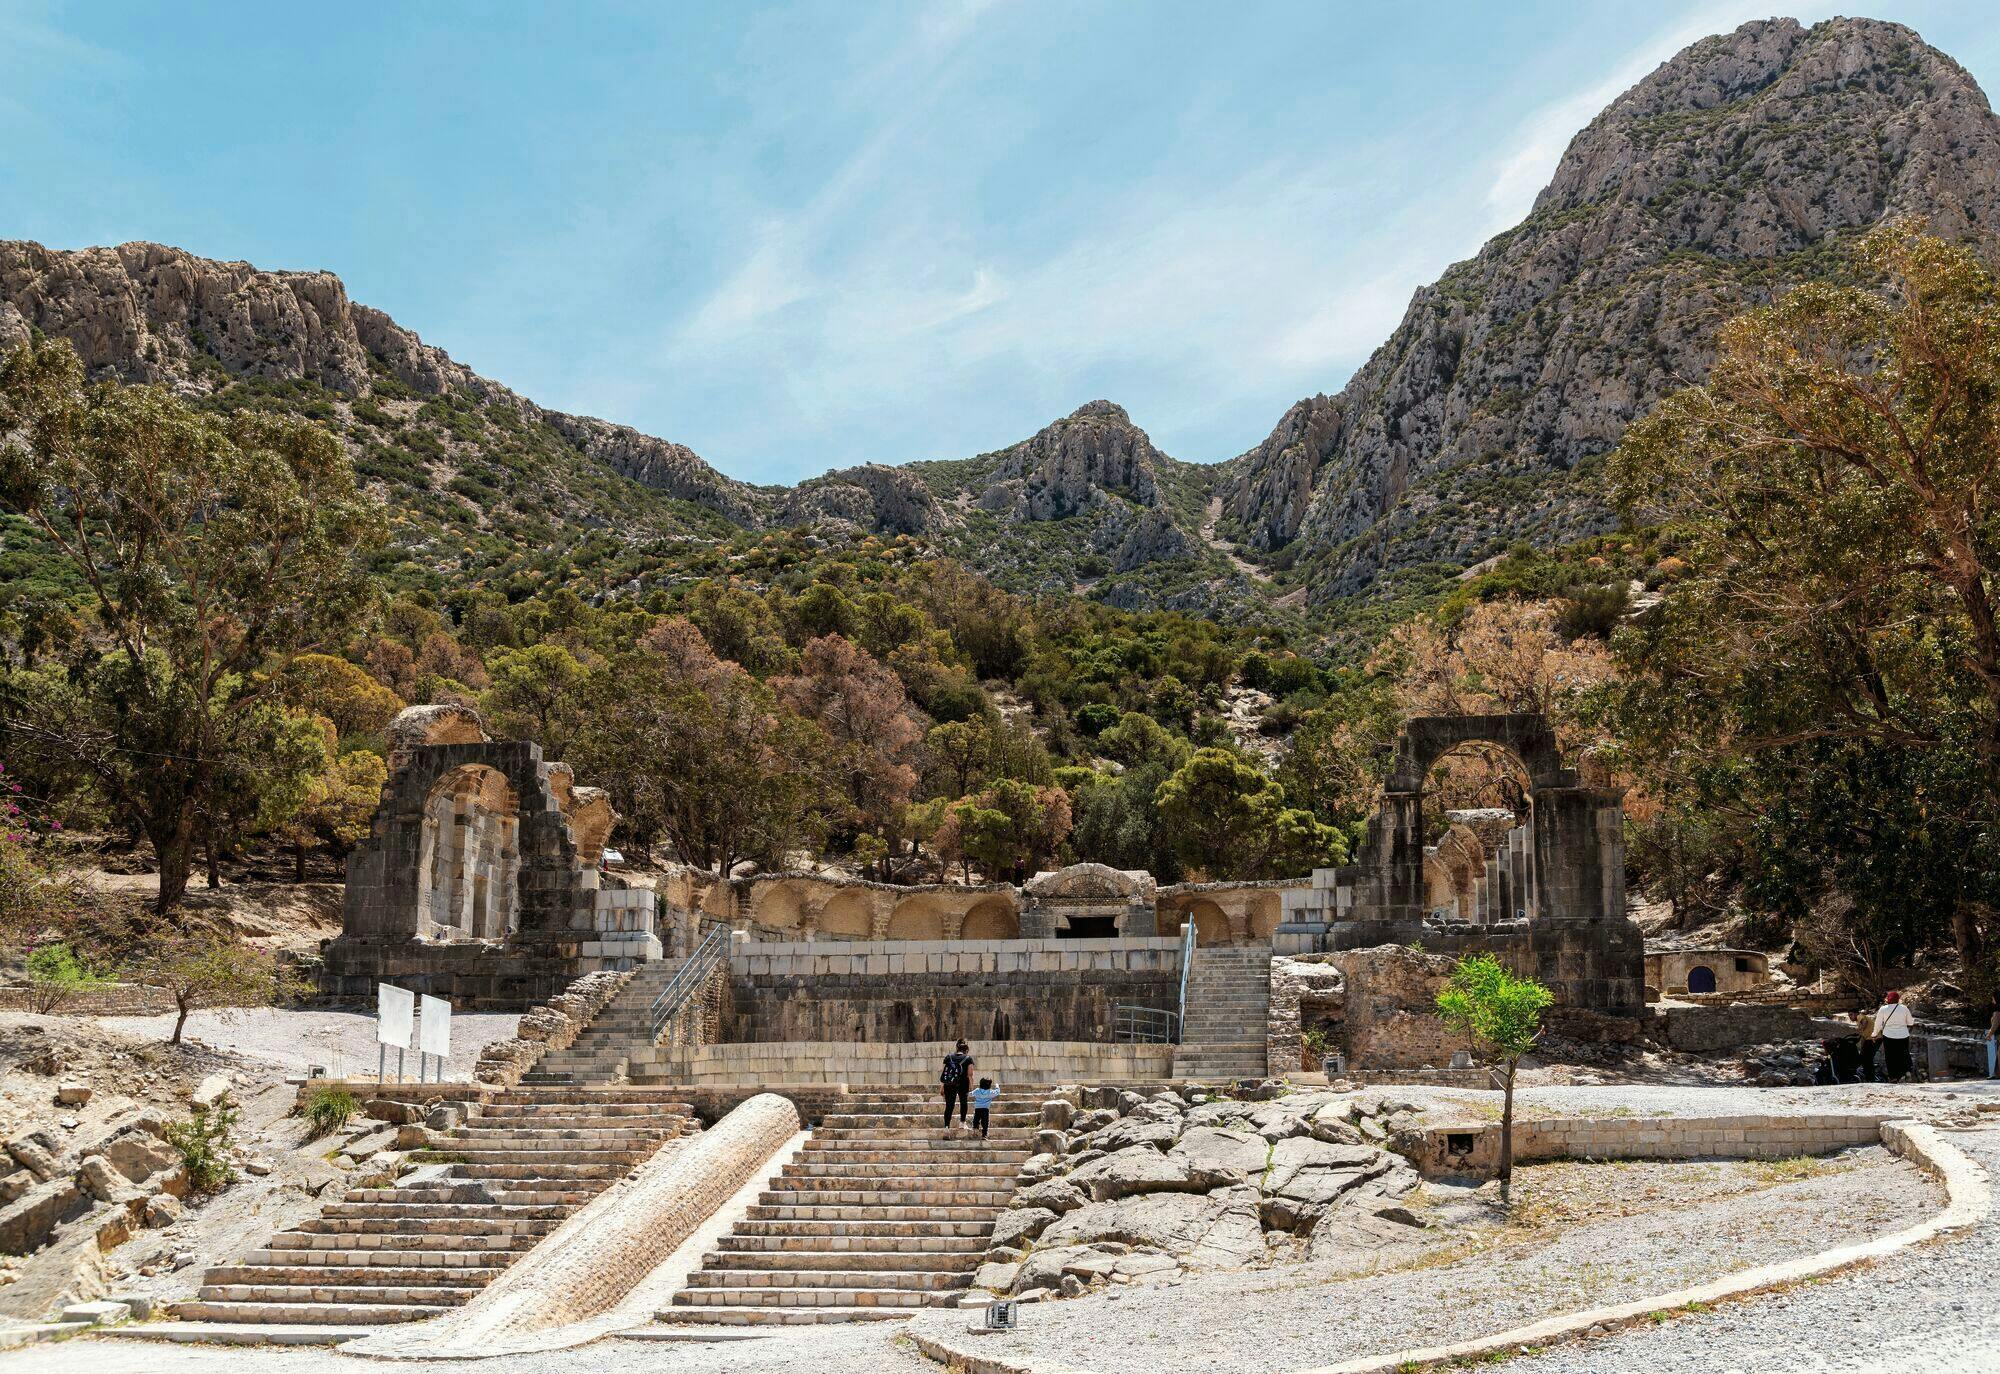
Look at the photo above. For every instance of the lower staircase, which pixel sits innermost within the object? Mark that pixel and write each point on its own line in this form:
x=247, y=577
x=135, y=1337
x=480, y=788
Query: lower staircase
x=512, y=1173
x=598, y=1054
x=880, y=1213
x=1227, y=1031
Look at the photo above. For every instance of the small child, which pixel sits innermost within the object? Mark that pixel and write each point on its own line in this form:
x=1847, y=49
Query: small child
x=982, y=1103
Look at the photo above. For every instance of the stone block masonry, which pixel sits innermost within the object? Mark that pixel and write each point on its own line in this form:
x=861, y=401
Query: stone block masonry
x=917, y=990
x=789, y=1064
x=1474, y=1148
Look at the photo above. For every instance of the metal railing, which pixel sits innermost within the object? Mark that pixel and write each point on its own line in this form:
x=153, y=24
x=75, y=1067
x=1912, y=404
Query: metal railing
x=1187, y=966
x=1144, y=1026
x=688, y=977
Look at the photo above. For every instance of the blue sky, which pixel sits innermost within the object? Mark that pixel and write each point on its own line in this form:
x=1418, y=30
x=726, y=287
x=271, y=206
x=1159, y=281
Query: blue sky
x=802, y=236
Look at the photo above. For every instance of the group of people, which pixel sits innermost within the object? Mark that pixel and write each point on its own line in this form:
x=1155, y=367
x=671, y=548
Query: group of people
x=957, y=1081
x=1879, y=1049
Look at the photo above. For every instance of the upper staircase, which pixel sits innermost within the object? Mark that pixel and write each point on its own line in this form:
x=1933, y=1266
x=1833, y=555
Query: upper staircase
x=1227, y=1031
x=598, y=1054
x=512, y=1173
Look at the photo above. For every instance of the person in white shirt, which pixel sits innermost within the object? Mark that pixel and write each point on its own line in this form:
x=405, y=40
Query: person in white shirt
x=1892, y=1026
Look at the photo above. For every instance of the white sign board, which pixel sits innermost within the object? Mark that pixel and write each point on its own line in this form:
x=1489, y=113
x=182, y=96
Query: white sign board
x=434, y=1031
x=395, y=1009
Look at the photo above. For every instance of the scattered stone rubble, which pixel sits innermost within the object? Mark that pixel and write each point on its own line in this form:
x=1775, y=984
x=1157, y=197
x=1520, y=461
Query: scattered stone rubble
x=1127, y=1188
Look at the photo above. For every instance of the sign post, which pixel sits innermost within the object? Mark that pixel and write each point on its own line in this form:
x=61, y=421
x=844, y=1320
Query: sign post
x=434, y=1032
x=394, y=1009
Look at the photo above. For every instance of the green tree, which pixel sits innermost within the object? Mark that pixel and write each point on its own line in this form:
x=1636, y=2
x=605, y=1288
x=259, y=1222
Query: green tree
x=538, y=694
x=216, y=550
x=1011, y=829
x=959, y=751
x=1502, y=1014
x=1228, y=820
x=208, y=969
x=1830, y=492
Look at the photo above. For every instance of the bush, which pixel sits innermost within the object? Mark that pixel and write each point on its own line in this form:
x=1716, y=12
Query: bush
x=327, y=1109
x=205, y=1141
x=55, y=974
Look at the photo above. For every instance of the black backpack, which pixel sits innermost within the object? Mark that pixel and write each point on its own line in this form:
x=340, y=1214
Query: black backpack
x=954, y=1068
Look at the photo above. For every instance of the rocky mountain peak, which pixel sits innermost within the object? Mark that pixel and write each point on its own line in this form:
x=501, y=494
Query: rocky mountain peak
x=1747, y=163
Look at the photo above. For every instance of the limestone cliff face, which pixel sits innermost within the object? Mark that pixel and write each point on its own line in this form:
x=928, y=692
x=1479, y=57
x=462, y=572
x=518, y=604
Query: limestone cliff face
x=1071, y=465
x=1740, y=167
x=881, y=500
x=142, y=312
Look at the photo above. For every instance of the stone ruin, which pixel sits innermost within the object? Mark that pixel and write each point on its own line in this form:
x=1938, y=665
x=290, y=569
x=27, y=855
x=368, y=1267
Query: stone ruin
x=1545, y=895
x=481, y=878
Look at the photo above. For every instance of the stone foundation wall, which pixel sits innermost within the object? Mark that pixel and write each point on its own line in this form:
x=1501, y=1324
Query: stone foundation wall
x=782, y=1067
x=119, y=999
x=1474, y=1148
x=898, y=991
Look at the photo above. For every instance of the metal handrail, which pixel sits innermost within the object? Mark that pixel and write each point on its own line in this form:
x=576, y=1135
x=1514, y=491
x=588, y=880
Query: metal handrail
x=686, y=979
x=1132, y=1025
x=1187, y=963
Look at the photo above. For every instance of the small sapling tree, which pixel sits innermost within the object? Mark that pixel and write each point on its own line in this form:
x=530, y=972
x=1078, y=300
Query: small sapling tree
x=1503, y=1016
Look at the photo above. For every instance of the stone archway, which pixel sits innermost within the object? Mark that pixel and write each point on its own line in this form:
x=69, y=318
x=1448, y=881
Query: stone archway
x=848, y=915
x=992, y=918
x=468, y=872
x=918, y=918
x=1572, y=867
x=779, y=906
x=1267, y=913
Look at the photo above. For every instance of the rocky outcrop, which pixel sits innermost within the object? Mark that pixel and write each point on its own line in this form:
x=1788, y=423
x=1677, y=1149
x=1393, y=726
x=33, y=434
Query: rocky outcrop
x=1072, y=465
x=1739, y=167
x=1131, y=1187
x=144, y=312
x=880, y=500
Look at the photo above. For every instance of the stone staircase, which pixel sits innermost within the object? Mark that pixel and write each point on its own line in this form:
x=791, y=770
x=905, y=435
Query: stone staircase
x=598, y=1054
x=1227, y=1031
x=513, y=1172
x=878, y=1215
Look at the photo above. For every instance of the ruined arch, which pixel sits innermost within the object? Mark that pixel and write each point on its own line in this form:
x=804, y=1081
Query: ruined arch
x=778, y=906
x=992, y=918
x=918, y=918
x=1267, y=913
x=468, y=871
x=1211, y=923
x=848, y=915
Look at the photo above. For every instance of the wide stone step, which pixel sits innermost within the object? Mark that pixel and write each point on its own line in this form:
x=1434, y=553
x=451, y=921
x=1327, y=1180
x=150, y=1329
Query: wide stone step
x=306, y=1313
x=779, y=1316
x=354, y=1295
x=819, y=1195
x=415, y=1213
x=948, y=1262
x=802, y=1297
x=836, y=1211
x=868, y=1227
x=607, y=1172
x=438, y=1227
x=972, y=1156
x=495, y=1254
x=320, y=1275
x=919, y=1167
x=831, y=1244
x=918, y=1281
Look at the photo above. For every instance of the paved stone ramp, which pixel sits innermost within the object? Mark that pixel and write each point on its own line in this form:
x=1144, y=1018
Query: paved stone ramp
x=879, y=1214
x=598, y=1055
x=1228, y=1016
x=526, y=1161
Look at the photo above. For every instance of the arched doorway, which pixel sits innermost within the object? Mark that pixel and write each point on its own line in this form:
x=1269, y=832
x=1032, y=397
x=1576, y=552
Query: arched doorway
x=468, y=874
x=1701, y=978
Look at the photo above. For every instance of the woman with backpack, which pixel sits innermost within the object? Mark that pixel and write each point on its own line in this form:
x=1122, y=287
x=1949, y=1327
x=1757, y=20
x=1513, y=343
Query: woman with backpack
x=957, y=1081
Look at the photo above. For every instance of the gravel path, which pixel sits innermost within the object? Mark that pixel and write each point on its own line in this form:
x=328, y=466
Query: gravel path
x=1648, y=1099
x=1930, y=1309
x=342, y=1041
x=1295, y=1318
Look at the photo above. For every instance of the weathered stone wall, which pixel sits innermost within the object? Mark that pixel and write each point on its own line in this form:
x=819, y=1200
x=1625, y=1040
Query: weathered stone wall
x=1713, y=1029
x=991, y=990
x=790, y=1064
x=1299, y=989
x=1474, y=1148
x=115, y=999
x=552, y=1026
x=1734, y=970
